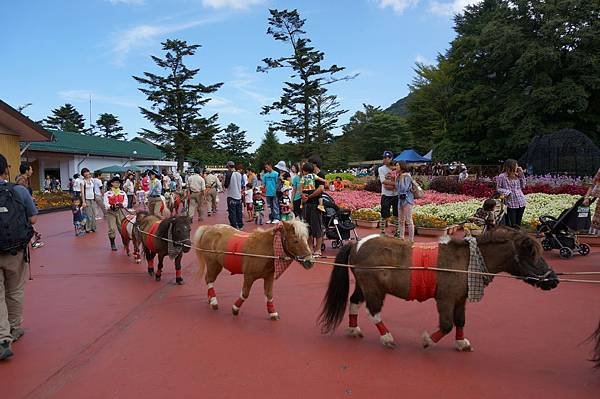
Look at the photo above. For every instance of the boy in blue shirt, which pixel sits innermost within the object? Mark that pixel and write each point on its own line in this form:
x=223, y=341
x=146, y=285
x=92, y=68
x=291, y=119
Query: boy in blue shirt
x=270, y=182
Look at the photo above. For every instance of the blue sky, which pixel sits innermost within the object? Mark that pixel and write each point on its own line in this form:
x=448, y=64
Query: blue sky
x=62, y=51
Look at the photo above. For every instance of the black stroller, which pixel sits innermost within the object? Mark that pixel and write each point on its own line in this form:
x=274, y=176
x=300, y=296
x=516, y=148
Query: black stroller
x=338, y=223
x=561, y=233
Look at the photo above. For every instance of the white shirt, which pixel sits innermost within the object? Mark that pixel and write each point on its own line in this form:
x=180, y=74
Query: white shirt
x=89, y=188
x=128, y=187
x=383, y=171
x=248, y=196
x=77, y=184
x=97, y=186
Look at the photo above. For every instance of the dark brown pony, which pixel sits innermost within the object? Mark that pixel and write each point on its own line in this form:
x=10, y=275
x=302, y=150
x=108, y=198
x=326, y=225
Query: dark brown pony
x=159, y=237
x=216, y=239
x=503, y=250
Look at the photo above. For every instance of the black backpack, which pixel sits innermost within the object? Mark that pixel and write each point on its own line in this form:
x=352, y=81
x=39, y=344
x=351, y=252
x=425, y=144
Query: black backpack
x=15, y=229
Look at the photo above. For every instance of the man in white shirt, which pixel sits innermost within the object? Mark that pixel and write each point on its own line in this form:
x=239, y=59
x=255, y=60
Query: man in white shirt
x=99, y=195
x=389, y=195
x=233, y=184
x=76, y=186
x=196, y=187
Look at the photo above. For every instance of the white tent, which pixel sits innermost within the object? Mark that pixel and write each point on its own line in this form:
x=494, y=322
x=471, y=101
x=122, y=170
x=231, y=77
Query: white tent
x=429, y=154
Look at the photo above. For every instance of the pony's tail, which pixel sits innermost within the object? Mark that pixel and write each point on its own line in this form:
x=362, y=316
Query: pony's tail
x=595, y=337
x=336, y=298
x=202, y=264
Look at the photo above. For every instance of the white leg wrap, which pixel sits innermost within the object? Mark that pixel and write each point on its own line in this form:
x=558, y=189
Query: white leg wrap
x=376, y=318
x=213, y=301
x=354, y=332
x=210, y=285
x=354, y=308
x=427, y=341
x=464, y=345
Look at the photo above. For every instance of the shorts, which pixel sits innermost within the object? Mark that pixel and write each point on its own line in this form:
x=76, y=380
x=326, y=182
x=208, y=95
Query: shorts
x=249, y=206
x=314, y=218
x=388, y=202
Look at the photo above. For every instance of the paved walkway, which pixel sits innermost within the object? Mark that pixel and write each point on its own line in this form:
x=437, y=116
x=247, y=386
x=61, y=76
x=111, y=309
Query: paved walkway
x=99, y=327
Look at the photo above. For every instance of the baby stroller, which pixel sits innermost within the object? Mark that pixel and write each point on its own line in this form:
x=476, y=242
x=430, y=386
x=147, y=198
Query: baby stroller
x=561, y=233
x=338, y=223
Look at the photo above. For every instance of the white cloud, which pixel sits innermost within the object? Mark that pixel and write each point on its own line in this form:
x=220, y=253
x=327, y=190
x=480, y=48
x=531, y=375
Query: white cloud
x=423, y=60
x=245, y=82
x=397, y=5
x=451, y=7
x=84, y=95
x=141, y=35
x=234, y=4
x=130, y=2
x=224, y=106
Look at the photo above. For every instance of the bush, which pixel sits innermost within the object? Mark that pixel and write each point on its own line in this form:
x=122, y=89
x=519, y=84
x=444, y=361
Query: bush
x=477, y=188
x=345, y=176
x=373, y=186
x=445, y=184
x=423, y=181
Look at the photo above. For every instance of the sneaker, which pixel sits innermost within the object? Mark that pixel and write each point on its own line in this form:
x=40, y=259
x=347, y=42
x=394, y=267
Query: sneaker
x=17, y=333
x=5, y=350
x=268, y=222
x=275, y=221
x=37, y=244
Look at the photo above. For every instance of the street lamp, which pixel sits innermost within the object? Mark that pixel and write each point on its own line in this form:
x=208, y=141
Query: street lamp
x=134, y=153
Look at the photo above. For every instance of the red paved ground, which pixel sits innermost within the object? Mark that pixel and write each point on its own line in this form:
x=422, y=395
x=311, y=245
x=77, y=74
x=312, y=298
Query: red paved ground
x=98, y=326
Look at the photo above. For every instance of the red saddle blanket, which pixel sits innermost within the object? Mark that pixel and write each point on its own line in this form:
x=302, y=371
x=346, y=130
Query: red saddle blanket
x=233, y=263
x=150, y=237
x=423, y=283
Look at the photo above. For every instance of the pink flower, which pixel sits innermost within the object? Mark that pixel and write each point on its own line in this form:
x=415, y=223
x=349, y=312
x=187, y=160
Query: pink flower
x=357, y=199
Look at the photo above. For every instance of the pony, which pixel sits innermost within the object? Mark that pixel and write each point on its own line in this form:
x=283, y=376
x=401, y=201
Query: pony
x=286, y=239
x=164, y=237
x=129, y=231
x=501, y=249
x=173, y=201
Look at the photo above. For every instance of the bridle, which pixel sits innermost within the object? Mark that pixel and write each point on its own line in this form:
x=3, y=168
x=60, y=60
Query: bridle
x=300, y=259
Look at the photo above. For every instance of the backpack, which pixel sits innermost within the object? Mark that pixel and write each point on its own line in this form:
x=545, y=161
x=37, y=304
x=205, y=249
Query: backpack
x=15, y=229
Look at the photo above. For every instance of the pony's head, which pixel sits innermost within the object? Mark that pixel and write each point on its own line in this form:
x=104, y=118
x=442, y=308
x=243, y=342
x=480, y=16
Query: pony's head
x=180, y=231
x=524, y=256
x=295, y=242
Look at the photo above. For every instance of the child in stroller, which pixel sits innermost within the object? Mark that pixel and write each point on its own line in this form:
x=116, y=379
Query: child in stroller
x=490, y=215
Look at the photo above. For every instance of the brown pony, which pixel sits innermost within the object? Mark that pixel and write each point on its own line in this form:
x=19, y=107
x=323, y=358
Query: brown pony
x=130, y=233
x=173, y=201
x=291, y=237
x=502, y=249
x=164, y=237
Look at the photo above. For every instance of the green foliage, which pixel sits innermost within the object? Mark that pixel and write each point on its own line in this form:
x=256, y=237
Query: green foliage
x=269, y=150
x=516, y=69
x=234, y=145
x=109, y=126
x=345, y=176
x=65, y=118
x=176, y=104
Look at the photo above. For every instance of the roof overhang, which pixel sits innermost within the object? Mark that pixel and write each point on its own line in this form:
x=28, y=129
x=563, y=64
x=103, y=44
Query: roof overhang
x=17, y=124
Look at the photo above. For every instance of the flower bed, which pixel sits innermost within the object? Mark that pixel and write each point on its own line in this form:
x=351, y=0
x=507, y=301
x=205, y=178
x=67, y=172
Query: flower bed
x=355, y=199
x=51, y=199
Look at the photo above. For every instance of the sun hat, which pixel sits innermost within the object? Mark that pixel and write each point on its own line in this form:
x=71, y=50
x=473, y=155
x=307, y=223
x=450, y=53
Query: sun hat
x=116, y=179
x=281, y=166
x=388, y=154
x=231, y=164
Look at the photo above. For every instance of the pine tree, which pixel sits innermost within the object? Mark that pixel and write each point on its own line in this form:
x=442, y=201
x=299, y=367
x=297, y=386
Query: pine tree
x=110, y=127
x=177, y=103
x=296, y=104
x=269, y=149
x=65, y=118
x=326, y=116
x=233, y=143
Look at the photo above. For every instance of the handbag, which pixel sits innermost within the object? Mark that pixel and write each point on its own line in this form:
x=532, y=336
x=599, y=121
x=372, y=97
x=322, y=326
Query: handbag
x=416, y=190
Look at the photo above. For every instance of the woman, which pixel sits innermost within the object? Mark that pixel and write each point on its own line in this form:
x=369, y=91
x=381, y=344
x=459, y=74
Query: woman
x=510, y=183
x=129, y=188
x=114, y=201
x=406, y=200
x=594, y=192
x=88, y=199
x=297, y=197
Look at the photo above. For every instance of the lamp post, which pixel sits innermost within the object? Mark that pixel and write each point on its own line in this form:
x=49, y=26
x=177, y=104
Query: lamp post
x=131, y=158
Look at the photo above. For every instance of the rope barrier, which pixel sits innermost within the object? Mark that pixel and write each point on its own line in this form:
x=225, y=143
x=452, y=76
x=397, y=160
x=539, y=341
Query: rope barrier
x=386, y=267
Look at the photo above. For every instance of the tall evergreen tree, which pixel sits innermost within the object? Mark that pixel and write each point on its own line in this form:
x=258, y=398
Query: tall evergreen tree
x=233, y=143
x=65, y=118
x=176, y=102
x=269, y=149
x=326, y=116
x=296, y=104
x=109, y=126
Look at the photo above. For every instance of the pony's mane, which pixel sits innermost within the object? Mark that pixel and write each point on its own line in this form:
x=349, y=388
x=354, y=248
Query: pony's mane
x=522, y=240
x=300, y=228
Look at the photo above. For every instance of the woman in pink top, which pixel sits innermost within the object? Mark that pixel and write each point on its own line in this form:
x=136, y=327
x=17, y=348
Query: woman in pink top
x=510, y=183
x=145, y=182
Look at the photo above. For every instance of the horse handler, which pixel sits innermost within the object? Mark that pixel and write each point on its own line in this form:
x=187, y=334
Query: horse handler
x=115, y=203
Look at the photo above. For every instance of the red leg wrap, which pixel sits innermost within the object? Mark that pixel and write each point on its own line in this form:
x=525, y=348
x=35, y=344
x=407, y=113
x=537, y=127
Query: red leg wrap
x=151, y=264
x=436, y=336
x=270, y=307
x=211, y=293
x=239, y=302
x=177, y=273
x=353, y=322
x=381, y=328
x=460, y=333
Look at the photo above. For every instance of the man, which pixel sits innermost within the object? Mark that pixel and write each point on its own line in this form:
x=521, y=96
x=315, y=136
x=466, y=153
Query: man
x=77, y=186
x=196, y=187
x=233, y=184
x=270, y=179
x=154, y=193
x=98, y=195
x=312, y=213
x=212, y=187
x=389, y=195
x=24, y=179
x=19, y=210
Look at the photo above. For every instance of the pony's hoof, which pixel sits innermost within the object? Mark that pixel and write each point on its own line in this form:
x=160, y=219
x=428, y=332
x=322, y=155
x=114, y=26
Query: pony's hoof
x=179, y=280
x=427, y=341
x=213, y=303
x=463, y=345
x=235, y=310
x=354, y=332
x=274, y=316
x=387, y=340
x=138, y=261
x=151, y=272
x=157, y=277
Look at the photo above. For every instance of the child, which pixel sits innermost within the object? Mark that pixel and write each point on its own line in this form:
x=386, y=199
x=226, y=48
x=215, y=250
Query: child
x=141, y=195
x=485, y=217
x=308, y=181
x=338, y=185
x=248, y=199
x=79, y=217
x=259, y=206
